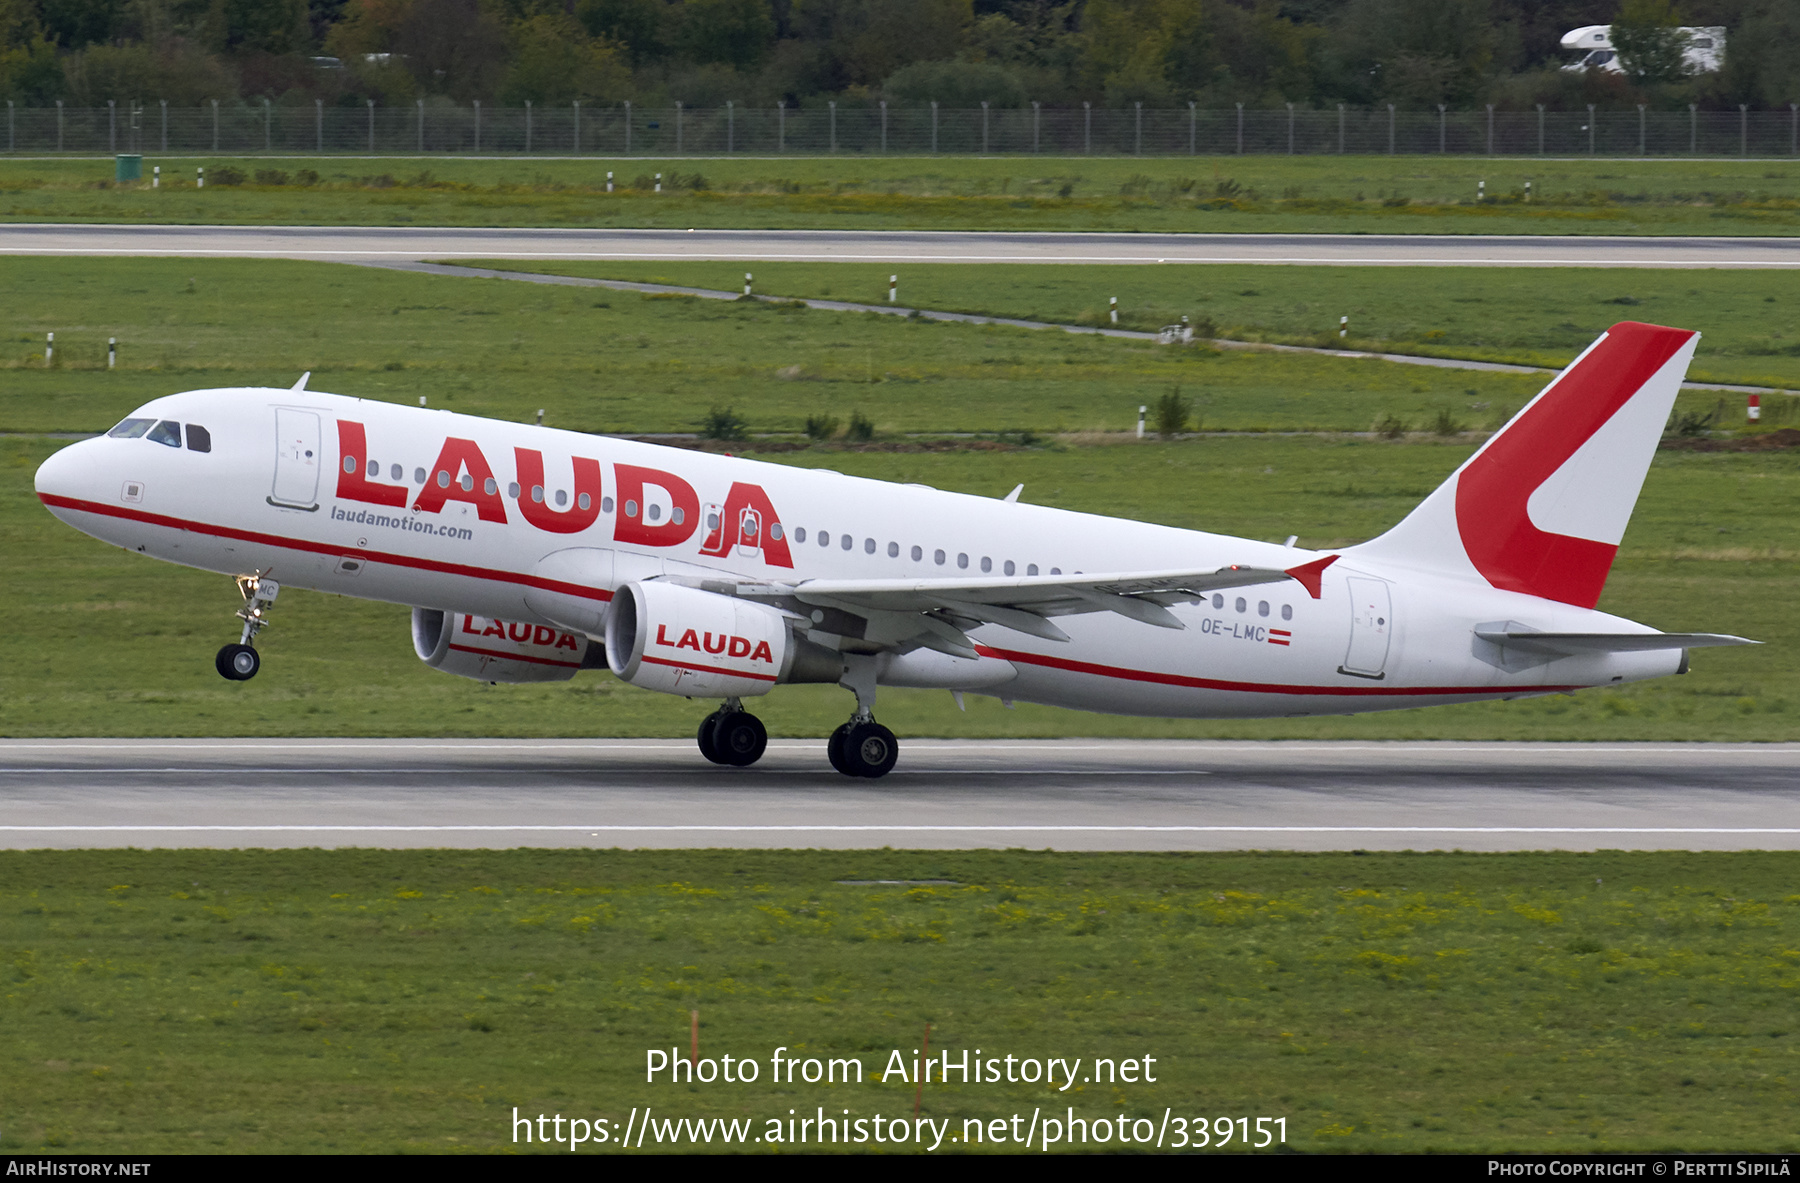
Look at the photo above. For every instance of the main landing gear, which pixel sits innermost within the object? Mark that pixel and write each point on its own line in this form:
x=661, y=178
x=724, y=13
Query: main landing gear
x=862, y=747
x=732, y=735
x=239, y=662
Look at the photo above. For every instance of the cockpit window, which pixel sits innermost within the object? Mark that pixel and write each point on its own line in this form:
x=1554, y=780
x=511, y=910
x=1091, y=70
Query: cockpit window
x=167, y=432
x=130, y=429
x=199, y=439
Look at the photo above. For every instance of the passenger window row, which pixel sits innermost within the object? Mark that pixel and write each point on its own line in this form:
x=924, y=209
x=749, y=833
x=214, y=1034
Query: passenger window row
x=166, y=432
x=490, y=486
x=1262, y=606
x=938, y=557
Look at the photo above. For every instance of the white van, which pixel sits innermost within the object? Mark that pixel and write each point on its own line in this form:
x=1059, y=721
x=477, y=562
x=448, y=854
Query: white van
x=1704, y=54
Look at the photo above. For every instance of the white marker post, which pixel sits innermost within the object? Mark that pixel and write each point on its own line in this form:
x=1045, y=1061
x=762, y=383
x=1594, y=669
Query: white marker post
x=156, y=176
x=200, y=177
x=609, y=182
x=659, y=182
x=112, y=353
x=1113, y=307
x=421, y=400
x=49, y=347
x=1142, y=411
x=1480, y=190
x=540, y=416
x=1754, y=410
x=746, y=283
x=893, y=289
x=1527, y=190
x=1343, y=327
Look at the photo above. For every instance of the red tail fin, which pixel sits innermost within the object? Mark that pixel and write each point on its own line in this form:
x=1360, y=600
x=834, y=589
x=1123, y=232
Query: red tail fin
x=1541, y=508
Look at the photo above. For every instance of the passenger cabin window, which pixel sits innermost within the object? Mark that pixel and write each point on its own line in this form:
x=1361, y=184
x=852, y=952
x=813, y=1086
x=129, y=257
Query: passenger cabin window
x=1287, y=612
x=131, y=429
x=800, y=534
x=167, y=433
x=199, y=439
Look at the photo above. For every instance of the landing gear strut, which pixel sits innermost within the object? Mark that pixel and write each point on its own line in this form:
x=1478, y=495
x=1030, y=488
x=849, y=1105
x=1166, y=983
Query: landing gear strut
x=239, y=662
x=862, y=747
x=731, y=735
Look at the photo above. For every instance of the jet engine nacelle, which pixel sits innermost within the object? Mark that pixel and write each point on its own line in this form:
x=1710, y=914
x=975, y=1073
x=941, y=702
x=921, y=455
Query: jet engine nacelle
x=682, y=640
x=499, y=650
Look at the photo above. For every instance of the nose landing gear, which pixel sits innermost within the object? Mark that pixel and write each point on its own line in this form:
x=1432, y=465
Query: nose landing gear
x=240, y=662
x=733, y=736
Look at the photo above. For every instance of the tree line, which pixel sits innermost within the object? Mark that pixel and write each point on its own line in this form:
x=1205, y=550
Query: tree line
x=1415, y=54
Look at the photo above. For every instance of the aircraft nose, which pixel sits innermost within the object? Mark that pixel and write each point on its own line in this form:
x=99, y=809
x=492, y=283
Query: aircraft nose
x=66, y=475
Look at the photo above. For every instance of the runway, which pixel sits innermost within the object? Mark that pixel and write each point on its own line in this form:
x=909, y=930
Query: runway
x=363, y=244
x=1067, y=795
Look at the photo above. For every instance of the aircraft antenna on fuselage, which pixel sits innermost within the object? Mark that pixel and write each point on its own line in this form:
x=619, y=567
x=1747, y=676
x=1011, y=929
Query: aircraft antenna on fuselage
x=301, y=385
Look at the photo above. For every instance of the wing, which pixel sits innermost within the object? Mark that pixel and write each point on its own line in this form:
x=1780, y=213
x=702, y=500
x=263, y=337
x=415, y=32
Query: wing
x=903, y=614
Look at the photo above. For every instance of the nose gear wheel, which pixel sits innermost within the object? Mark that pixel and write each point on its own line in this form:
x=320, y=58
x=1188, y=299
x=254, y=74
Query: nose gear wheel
x=237, y=663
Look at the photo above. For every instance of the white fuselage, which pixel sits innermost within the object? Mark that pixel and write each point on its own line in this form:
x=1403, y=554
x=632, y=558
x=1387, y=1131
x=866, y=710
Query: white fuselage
x=270, y=496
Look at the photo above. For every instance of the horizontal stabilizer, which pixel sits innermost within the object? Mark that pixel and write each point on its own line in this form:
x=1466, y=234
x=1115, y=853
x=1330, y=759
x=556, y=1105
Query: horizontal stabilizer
x=1567, y=644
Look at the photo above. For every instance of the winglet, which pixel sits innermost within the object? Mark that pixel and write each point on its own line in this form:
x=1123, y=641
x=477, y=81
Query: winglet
x=1013, y=497
x=1309, y=575
x=301, y=385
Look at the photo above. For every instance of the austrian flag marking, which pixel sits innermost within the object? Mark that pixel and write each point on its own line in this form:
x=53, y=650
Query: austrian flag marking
x=1279, y=636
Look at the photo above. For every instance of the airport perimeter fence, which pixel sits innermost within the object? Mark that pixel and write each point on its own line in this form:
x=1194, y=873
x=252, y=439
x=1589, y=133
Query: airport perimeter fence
x=624, y=130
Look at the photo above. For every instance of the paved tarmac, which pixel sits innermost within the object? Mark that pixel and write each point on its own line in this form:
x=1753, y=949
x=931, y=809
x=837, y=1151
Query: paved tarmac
x=358, y=244
x=1069, y=795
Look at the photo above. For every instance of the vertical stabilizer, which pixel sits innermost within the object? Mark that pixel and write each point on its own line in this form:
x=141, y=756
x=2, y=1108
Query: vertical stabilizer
x=1542, y=506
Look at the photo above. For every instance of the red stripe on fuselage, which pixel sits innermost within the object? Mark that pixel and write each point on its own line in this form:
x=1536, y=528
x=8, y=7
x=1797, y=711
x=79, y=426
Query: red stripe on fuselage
x=1186, y=682
x=320, y=548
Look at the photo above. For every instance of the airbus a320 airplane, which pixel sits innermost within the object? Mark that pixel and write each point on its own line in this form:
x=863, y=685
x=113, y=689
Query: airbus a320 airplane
x=532, y=553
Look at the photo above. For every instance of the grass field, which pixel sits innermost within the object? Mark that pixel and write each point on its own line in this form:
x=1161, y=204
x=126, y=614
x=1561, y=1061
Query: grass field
x=1236, y=194
x=608, y=361
x=1529, y=316
x=306, y=1001
x=110, y=644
